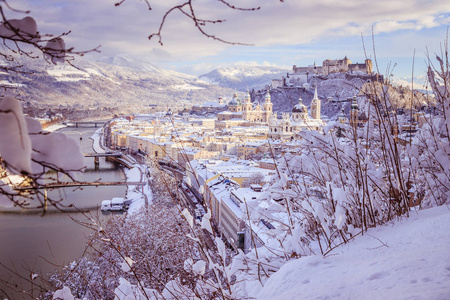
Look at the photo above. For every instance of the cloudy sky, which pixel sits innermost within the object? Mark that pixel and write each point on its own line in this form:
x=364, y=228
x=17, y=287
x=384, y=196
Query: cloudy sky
x=298, y=32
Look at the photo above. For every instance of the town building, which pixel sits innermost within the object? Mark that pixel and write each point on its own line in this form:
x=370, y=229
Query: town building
x=245, y=114
x=289, y=125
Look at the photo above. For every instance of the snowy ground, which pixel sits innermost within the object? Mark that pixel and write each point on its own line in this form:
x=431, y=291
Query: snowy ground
x=54, y=127
x=139, y=194
x=407, y=260
x=96, y=137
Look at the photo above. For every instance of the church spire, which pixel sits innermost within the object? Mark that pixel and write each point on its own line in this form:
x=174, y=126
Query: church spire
x=247, y=97
x=315, y=106
x=267, y=97
x=315, y=94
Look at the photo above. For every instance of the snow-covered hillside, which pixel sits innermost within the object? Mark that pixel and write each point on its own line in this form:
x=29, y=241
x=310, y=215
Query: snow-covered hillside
x=333, y=91
x=127, y=61
x=120, y=82
x=406, y=260
x=242, y=78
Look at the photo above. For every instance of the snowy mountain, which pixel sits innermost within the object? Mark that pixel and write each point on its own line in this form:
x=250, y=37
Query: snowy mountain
x=119, y=83
x=130, y=62
x=127, y=61
x=126, y=84
x=242, y=78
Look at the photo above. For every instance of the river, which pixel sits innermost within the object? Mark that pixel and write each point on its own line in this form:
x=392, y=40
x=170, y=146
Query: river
x=27, y=239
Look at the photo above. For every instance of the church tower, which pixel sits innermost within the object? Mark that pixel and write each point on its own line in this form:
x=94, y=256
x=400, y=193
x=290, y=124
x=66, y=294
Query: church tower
x=267, y=107
x=342, y=118
x=354, y=112
x=247, y=108
x=315, y=106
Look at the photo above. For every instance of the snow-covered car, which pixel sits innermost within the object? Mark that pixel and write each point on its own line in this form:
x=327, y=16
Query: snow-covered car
x=106, y=205
x=117, y=204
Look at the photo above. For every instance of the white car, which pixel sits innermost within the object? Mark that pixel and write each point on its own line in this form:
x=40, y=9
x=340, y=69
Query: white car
x=106, y=205
x=117, y=204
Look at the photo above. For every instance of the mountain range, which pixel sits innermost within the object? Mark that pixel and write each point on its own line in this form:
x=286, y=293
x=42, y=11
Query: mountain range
x=124, y=84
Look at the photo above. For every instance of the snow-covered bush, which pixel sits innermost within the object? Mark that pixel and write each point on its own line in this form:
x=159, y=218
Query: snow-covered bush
x=430, y=148
x=27, y=153
x=147, y=249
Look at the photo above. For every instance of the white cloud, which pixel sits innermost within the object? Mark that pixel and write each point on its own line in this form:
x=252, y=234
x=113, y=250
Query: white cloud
x=125, y=29
x=276, y=23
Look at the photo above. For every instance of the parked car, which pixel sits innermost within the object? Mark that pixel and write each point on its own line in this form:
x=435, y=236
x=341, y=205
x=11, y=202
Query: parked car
x=106, y=205
x=117, y=204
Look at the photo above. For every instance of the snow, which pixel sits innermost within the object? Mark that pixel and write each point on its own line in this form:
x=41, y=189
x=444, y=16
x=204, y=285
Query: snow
x=53, y=149
x=25, y=27
x=187, y=87
x=15, y=146
x=56, y=50
x=127, y=264
x=63, y=294
x=206, y=222
x=55, y=127
x=7, y=83
x=94, y=72
x=187, y=215
x=407, y=260
x=96, y=144
x=199, y=267
x=64, y=73
x=138, y=194
x=128, y=291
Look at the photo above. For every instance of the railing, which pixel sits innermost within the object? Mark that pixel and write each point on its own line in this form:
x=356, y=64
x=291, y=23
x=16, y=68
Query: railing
x=82, y=183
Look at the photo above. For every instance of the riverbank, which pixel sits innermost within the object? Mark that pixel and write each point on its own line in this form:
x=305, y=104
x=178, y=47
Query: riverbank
x=140, y=196
x=33, y=243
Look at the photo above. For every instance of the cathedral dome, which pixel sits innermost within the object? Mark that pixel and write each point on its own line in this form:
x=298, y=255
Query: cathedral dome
x=234, y=100
x=299, y=107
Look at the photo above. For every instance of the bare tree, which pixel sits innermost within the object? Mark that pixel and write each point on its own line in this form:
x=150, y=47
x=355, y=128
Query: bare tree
x=189, y=10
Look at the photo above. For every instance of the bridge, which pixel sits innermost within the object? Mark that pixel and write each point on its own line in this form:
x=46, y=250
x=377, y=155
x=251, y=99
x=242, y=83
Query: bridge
x=97, y=155
x=80, y=183
x=116, y=154
x=83, y=123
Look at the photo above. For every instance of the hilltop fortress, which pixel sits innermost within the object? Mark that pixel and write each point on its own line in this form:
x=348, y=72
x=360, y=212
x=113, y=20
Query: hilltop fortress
x=334, y=66
x=302, y=75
